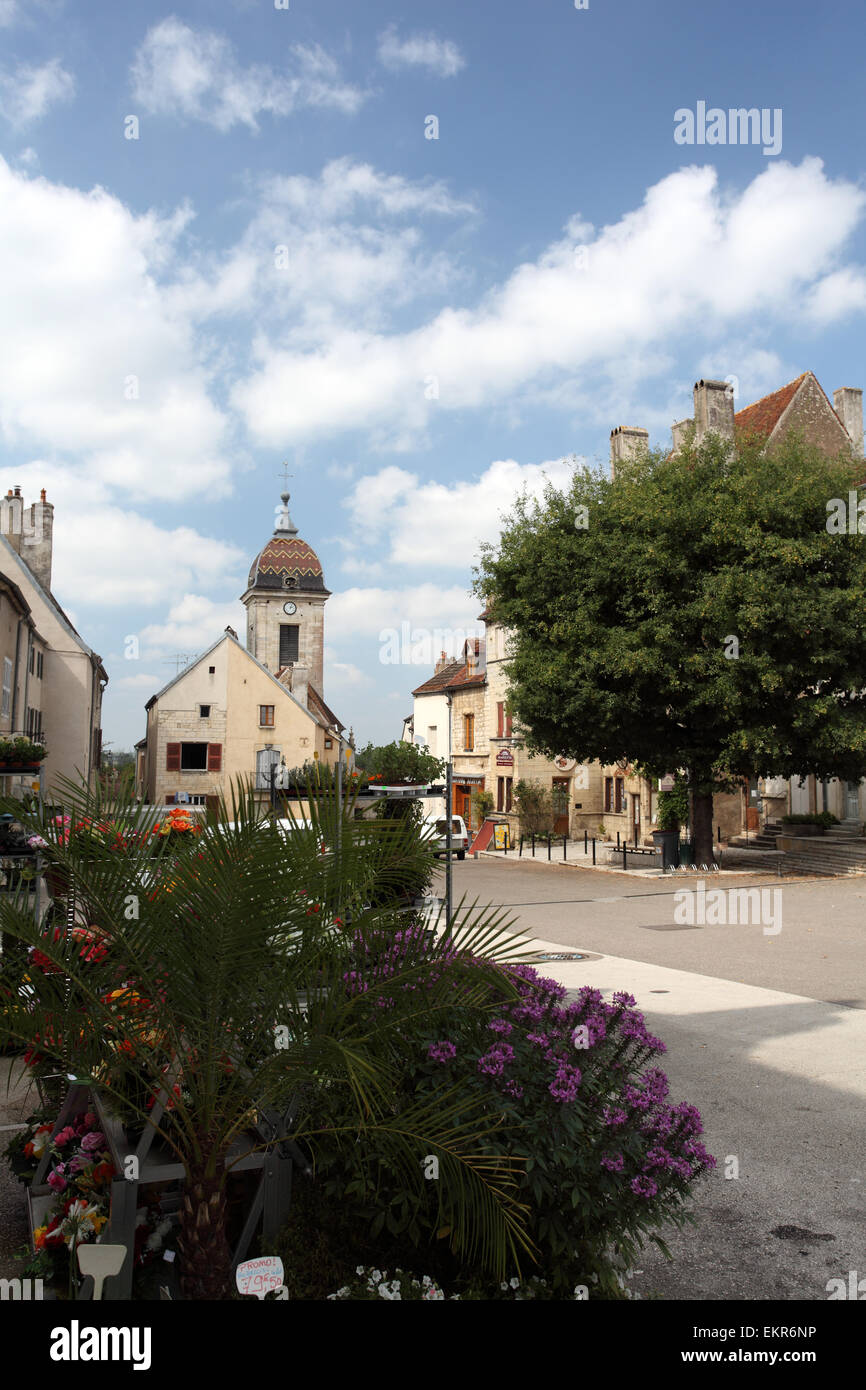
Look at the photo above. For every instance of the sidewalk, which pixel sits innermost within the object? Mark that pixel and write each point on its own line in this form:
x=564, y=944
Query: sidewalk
x=732, y=861
x=780, y=1081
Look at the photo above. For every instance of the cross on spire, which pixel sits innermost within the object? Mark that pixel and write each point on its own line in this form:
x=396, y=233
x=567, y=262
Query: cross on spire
x=286, y=474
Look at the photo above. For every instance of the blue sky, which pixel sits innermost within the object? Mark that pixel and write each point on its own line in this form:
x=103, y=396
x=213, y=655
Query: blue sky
x=282, y=266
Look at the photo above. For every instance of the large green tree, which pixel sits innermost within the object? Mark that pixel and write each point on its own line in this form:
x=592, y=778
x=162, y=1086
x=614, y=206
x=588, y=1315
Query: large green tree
x=700, y=611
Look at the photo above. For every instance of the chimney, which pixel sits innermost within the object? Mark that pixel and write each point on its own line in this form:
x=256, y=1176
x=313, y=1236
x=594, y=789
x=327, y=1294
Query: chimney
x=441, y=663
x=38, y=540
x=714, y=409
x=848, y=401
x=679, y=431
x=301, y=685
x=11, y=518
x=626, y=441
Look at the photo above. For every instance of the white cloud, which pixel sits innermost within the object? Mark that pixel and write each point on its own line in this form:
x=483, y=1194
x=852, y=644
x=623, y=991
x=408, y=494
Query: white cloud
x=441, y=525
x=439, y=56
x=27, y=92
x=111, y=557
x=193, y=624
x=364, y=613
x=344, y=248
x=194, y=73
x=88, y=325
x=9, y=13
x=691, y=258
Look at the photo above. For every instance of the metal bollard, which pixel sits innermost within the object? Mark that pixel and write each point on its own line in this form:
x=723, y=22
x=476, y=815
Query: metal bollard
x=585, y=846
x=617, y=839
x=563, y=847
x=548, y=849
x=533, y=846
x=593, y=849
x=520, y=855
x=624, y=853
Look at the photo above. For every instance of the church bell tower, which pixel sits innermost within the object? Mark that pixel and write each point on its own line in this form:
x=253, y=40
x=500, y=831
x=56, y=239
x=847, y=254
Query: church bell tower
x=285, y=601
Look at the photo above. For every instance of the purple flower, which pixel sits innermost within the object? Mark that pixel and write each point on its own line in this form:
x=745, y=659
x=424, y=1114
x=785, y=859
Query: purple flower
x=565, y=1084
x=93, y=1142
x=614, y=1117
x=495, y=1059
x=511, y=1088
x=614, y=1163
x=643, y=1187
x=501, y=1025
x=442, y=1051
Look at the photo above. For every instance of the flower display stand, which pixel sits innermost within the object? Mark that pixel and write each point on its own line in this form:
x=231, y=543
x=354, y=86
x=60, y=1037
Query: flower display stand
x=153, y=1163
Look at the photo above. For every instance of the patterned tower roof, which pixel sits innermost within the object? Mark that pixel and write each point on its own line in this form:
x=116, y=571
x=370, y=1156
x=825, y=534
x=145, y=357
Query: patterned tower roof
x=286, y=562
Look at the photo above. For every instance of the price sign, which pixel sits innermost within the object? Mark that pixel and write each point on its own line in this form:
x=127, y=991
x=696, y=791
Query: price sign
x=261, y=1276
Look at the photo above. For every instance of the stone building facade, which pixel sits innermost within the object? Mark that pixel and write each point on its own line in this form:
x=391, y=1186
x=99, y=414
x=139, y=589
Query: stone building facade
x=235, y=714
x=52, y=681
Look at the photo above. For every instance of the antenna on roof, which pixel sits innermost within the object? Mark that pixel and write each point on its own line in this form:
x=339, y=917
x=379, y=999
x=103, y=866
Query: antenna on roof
x=180, y=660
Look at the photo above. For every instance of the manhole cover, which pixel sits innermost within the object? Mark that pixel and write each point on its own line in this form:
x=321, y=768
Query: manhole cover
x=670, y=926
x=561, y=955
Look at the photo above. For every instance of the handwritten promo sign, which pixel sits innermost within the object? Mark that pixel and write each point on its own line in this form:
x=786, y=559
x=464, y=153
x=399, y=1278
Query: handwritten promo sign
x=261, y=1276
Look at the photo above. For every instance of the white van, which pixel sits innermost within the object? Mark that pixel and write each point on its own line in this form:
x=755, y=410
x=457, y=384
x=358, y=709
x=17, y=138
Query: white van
x=459, y=836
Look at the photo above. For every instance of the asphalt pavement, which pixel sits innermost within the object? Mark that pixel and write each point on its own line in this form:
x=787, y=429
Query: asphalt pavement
x=766, y=1034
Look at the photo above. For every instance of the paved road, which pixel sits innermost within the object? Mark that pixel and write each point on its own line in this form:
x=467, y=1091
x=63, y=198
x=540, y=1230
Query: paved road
x=820, y=950
x=765, y=1034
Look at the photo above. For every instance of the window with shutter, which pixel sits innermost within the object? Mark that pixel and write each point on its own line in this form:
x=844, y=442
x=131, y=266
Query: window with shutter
x=288, y=643
x=172, y=757
x=214, y=757
x=500, y=721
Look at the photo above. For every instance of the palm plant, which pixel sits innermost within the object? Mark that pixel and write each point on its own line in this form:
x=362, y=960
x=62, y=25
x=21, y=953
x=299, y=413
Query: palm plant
x=215, y=974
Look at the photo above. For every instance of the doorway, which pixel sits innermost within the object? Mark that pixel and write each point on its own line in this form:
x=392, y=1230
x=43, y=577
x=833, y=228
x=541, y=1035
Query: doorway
x=560, y=805
x=635, y=816
x=852, y=801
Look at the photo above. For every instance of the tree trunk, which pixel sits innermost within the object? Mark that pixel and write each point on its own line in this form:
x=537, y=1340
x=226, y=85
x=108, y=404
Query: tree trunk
x=702, y=817
x=203, y=1243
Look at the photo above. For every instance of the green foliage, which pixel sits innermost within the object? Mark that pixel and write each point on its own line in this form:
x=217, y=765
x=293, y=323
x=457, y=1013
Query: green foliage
x=673, y=806
x=620, y=630
x=21, y=751
x=607, y=1161
x=399, y=764
x=482, y=805
x=533, y=802
x=234, y=949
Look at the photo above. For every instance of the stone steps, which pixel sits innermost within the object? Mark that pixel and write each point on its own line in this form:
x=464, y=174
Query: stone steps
x=844, y=856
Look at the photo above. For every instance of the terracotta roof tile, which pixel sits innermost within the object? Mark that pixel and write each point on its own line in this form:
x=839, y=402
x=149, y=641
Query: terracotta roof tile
x=452, y=676
x=763, y=417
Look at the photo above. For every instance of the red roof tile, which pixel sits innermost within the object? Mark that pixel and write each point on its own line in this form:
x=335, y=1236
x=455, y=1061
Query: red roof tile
x=763, y=417
x=453, y=676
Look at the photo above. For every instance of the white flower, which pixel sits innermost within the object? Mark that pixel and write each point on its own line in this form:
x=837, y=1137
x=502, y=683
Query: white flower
x=359, y=1269
x=515, y=1283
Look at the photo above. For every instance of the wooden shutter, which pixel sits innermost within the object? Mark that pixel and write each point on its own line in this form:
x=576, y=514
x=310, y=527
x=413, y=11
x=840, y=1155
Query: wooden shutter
x=172, y=757
x=500, y=720
x=214, y=757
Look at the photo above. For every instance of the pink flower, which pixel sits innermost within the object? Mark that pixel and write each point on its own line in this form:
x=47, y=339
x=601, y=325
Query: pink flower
x=93, y=1142
x=56, y=1180
x=64, y=1136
